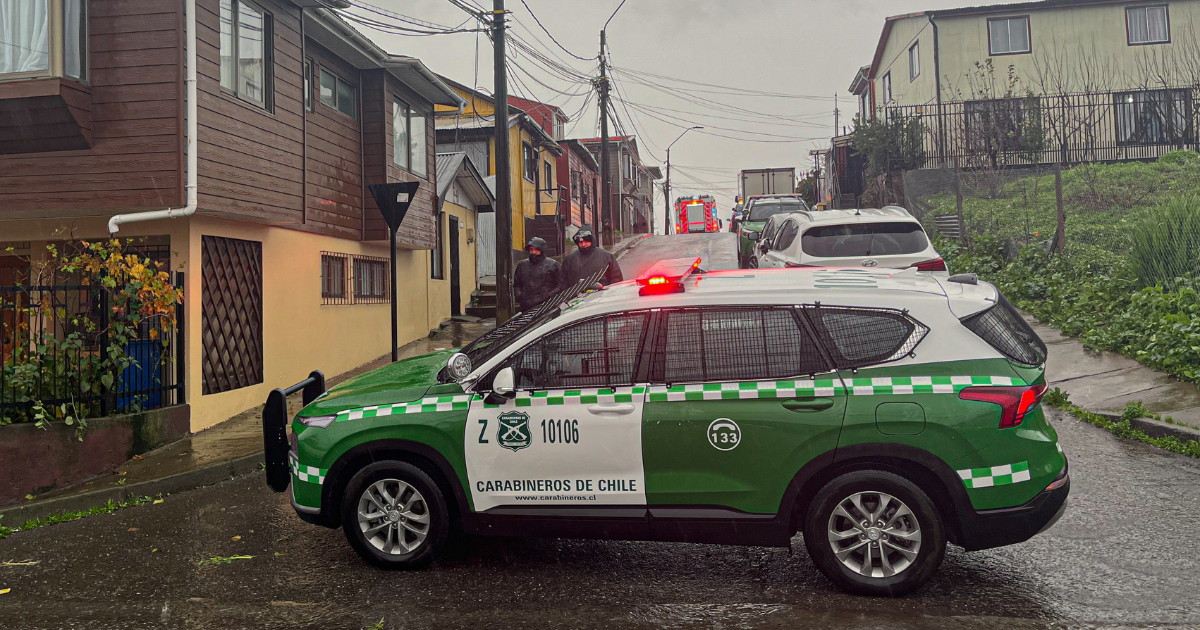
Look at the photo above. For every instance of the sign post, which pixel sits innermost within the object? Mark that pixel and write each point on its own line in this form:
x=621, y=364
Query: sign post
x=393, y=201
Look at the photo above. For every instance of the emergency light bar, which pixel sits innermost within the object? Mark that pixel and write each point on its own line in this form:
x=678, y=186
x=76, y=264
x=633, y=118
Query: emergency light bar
x=667, y=276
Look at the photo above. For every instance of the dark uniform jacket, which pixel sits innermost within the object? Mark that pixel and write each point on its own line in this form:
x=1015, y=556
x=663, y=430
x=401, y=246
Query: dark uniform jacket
x=534, y=283
x=585, y=262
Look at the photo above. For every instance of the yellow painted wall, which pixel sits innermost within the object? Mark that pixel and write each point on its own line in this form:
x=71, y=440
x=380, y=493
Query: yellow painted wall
x=299, y=333
x=1075, y=38
x=439, y=290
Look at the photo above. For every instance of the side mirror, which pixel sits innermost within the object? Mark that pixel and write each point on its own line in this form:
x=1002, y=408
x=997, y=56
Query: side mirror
x=503, y=383
x=754, y=236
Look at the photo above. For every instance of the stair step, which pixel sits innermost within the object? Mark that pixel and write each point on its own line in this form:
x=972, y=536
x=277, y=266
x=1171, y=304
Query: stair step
x=483, y=298
x=483, y=312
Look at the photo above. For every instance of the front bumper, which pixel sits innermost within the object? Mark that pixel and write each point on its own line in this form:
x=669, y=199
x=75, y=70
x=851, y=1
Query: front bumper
x=986, y=529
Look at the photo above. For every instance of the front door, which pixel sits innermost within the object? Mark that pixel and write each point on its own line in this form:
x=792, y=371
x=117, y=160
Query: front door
x=740, y=399
x=572, y=438
x=455, y=269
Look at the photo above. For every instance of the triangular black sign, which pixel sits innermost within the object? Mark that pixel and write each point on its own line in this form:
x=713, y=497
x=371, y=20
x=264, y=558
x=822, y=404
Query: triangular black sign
x=393, y=200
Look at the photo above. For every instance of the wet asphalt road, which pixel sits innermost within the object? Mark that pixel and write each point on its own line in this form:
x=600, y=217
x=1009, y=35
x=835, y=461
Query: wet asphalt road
x=1124, y=555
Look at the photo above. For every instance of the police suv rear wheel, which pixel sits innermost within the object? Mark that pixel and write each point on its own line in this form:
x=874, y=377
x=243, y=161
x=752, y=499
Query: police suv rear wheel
x=875, y=533
x=394, y=515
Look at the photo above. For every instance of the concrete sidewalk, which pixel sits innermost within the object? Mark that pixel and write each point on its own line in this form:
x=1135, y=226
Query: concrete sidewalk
x=1104, y=382
x=229, y=449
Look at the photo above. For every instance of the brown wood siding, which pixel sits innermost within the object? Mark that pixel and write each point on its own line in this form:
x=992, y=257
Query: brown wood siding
x=417, y=230
x=251, y=159
x=334, y=188
x=136, y=154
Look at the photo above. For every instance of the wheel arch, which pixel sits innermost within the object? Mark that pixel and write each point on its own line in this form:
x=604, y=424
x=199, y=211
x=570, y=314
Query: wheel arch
x=423, y=456
x=924, y=469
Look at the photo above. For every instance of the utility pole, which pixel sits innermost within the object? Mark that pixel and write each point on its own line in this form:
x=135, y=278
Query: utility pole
x=667, y=198
x=836, y=121
x=504, y=235
x=606, y=235
x=668, y=185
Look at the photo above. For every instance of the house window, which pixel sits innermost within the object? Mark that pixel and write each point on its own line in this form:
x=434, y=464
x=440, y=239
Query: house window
x=1009, y=36
x=1154, y=117
x=575, y=185
x=371, y=279
x=887, y=88
x=339, y=94
x=1148, y=25
x=996, y=125
x=245, y=53
x=333, y=278
x=530, y=162
x=435, y=260
x=548, y=173
x=914, y=61
x=408, y=138
x=30, y=36
x=308, y=84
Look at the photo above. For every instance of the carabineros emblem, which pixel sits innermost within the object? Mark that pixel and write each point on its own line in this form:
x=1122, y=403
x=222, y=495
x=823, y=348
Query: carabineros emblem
x=513, y=433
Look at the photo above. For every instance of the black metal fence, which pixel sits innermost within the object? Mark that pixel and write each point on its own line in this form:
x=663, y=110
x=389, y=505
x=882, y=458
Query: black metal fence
x=53, y=338
x=1061, y=129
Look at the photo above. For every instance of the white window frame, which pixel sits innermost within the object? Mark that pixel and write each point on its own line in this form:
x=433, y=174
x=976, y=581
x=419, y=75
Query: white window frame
x=1008, y=25
x=1146, y=12
x=57, y=31
x=230, y=84
x=914, y=61
x=886, y=83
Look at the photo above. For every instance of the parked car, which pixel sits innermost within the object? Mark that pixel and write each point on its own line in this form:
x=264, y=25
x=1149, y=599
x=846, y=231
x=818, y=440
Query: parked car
x=754, y=217
x=769, y=230
x=888, y=238
x=881, y=414
x=735, y=218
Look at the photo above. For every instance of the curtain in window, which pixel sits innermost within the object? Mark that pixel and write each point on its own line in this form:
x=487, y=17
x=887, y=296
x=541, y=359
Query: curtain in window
x=400, y=134
x=1156, y=24
x=251, y=60
x=74, y=46
x=24, y=36
x=420, y=152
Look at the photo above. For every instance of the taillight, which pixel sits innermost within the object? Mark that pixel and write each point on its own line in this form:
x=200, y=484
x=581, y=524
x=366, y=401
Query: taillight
x=1015, y=402
x=937, y=264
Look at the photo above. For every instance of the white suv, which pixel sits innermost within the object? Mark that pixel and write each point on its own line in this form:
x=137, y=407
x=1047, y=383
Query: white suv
x=889, y=237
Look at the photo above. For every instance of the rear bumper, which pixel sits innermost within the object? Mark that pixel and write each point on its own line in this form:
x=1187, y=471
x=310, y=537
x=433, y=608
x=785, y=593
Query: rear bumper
x=996, y=528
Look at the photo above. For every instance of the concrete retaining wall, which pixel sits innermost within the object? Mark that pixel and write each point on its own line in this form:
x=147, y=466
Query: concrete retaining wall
x=34, y=460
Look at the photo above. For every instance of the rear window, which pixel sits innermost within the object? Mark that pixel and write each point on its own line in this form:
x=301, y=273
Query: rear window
x=1005, y=330
x=864, y=239
x=859, y=337
x=763, y=210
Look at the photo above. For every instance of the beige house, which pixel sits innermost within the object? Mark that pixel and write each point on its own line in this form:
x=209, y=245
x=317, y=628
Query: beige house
x=1129, y=70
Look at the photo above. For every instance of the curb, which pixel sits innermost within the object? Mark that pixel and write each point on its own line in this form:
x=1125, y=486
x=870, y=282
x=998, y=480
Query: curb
x=1157, y=428
x=17, y=515
x=627, y=245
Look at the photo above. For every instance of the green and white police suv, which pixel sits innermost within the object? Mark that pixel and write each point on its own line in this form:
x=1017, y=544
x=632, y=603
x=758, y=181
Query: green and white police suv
x=879, y=414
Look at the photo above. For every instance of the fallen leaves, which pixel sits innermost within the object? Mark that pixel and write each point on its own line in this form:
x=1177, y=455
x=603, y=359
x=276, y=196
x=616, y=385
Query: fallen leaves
x=236, y=538
x=221, y=560
x=28, y=563
x=157, y=501
x=5, y=591
x=131, y=529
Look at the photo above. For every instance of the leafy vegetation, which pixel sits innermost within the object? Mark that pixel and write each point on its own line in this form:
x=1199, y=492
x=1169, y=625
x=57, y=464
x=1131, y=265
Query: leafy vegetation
x=64, y=517
x=891, y=144
x=1123, y=427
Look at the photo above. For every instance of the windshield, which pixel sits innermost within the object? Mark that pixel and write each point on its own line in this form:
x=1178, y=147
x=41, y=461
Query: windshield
x=763, y=210
x=866, y=239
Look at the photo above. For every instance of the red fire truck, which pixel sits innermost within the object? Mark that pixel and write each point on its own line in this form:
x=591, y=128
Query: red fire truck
x=696, y=215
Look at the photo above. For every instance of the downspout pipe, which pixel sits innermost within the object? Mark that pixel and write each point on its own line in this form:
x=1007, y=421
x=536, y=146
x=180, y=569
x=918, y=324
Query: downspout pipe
x=115, y=222
x=937, y=82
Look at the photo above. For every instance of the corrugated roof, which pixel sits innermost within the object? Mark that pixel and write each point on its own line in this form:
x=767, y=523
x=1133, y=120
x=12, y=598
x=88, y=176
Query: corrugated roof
x=458, y=167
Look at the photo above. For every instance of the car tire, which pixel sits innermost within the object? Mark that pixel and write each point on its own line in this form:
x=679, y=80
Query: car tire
x=411, y=517
x=913, y=535
x=752, y=263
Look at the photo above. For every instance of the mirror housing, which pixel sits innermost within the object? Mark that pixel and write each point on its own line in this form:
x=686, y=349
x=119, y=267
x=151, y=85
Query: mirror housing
x=754, y=236
x=503, y=383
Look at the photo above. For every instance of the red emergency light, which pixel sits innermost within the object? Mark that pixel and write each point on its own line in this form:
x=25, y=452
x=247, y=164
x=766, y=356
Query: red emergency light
x=667, y=276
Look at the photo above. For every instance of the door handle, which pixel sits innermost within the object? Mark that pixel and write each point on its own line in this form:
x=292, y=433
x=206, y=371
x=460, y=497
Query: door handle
x=619, y=409
x=807, y=404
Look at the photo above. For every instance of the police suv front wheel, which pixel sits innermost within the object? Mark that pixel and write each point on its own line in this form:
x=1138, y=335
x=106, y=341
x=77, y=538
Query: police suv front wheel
x=875, y=533
x=394, y=515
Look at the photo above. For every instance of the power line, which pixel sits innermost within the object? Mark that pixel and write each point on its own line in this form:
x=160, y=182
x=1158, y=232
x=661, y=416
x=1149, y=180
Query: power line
x=731, y=90
x=539, y=23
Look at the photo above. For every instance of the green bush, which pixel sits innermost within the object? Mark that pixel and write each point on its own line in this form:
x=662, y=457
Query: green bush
x=1165, y=243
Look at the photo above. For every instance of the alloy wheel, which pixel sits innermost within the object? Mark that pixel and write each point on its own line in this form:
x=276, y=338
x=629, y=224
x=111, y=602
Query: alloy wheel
x=393, y=516
x=874, y=534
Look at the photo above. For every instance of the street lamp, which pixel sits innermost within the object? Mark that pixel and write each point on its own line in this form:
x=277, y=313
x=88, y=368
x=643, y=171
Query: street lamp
x=667, y=187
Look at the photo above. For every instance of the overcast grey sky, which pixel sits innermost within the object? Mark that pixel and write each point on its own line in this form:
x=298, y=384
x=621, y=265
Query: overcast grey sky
x=806, y=48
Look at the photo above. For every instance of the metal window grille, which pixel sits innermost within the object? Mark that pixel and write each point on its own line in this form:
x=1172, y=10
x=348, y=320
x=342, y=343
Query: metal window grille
x=333, y=278
x=727, y=344
x=601, y=352
x=372, y=281
x=858, y=337
x=1003, y=328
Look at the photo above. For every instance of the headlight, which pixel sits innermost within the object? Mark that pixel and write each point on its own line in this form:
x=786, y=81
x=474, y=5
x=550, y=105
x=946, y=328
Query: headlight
x=319, y=422
x=459, y=366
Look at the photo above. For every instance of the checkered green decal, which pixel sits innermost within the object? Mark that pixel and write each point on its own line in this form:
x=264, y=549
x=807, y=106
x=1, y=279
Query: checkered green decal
x=434, y=403
x=827, y=387
x=575, y=397
x=311, y=474
x=1004, y=475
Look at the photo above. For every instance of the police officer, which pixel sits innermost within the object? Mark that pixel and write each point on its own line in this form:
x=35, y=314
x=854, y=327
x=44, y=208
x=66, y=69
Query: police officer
x=588, y=260
x=537, y=278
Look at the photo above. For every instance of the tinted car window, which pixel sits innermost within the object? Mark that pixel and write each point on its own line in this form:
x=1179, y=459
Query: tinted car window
x=858, y=337
x=786, y=236
x=596, y=353
x=763, y=210
x=733, y=344
x=864, y=239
